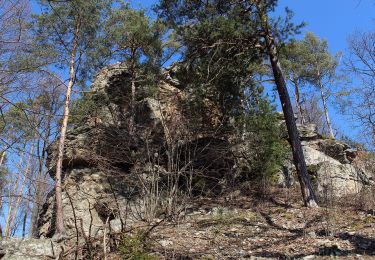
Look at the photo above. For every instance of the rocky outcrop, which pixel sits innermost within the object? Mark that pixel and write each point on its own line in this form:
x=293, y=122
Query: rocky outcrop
x=110, y=170
x=91, y=198
x=333, y=165
x=114, y=175
x=32, y=249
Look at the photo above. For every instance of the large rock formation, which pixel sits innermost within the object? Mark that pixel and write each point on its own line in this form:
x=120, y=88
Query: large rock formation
x=33, y=249
x=334, y=166
x=114, y=175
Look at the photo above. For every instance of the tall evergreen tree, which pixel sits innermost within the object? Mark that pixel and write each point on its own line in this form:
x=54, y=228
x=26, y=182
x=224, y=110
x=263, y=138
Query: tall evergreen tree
x=320, y=68
x=294, y=67
x=298, y=156
x=135, y=41
x=309, y=61
x=70, y=28
x=252, y=34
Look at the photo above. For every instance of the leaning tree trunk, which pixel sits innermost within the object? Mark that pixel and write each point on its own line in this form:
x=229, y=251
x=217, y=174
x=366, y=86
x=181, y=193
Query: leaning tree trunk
x=58, y=189
x=298, y=157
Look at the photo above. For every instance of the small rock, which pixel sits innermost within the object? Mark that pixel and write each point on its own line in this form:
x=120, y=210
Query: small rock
x=242, y=252
x=165, y=243
x=312, y=234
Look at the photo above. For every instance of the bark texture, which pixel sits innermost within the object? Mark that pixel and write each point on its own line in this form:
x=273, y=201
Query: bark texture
x=298, y=157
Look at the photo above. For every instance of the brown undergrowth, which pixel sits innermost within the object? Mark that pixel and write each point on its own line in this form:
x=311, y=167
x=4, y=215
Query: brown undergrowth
x=272, y=226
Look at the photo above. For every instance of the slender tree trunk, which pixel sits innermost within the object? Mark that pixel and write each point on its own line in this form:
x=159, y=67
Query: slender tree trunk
x=11, y=198
x=24, y=224
x=299, y=160
x=58, y=189
x=26, y=211
x=2, y=158
x=133, y=91
x=38, y=190
x=20, y=191
x=132, y=107
x=37, y=198
x=298, y=100
x=325, y=107
x=1, y=198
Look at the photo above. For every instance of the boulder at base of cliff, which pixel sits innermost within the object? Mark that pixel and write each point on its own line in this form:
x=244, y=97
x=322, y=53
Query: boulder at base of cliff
x=332, y=165
x=31, y=249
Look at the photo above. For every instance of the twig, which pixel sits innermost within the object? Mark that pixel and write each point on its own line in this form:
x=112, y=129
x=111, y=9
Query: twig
x=105, y=239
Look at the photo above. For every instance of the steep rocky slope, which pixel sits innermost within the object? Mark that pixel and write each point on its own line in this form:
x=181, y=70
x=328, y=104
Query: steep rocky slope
x=116, y=178
x=105, y=163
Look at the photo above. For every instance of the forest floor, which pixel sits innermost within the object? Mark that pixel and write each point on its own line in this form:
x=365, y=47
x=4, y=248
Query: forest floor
x=276, y=226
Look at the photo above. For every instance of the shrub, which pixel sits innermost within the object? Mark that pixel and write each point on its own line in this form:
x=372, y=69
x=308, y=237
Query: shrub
x=136, y=247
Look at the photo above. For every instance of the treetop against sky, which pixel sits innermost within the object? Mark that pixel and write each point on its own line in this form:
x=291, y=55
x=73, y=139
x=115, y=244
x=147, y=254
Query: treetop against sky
x=333, y=20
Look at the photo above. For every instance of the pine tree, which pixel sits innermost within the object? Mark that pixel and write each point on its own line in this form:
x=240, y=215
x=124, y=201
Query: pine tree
x=70, y=27
x=298, y=156
x=252, y=35
x=293, y=64
x=135, y=41
x=320, y=69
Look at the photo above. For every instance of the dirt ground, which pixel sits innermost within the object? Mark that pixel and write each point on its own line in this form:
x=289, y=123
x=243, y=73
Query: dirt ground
x=276, y=226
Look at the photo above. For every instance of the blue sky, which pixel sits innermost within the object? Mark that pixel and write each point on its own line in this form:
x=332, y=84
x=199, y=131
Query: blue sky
x=334, y=21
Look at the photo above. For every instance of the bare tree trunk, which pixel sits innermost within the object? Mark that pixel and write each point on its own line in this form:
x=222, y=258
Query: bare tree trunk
x=133, y=91
x=2, y=158
x=299, y=160
x=132, y=107
x=39, y=190
x=325, y=107
x=24, y=224
x=1, y=198
x=37, y=201
x=10, y=195
x=58, y=189
x=20, y=191
x=298, y=101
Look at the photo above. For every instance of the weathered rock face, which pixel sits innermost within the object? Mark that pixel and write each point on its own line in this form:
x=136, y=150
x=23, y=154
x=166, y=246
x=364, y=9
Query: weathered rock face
x=114, y=175
x=332, y=164
x=90, y=199
x=110, y=170
x=33, y=249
